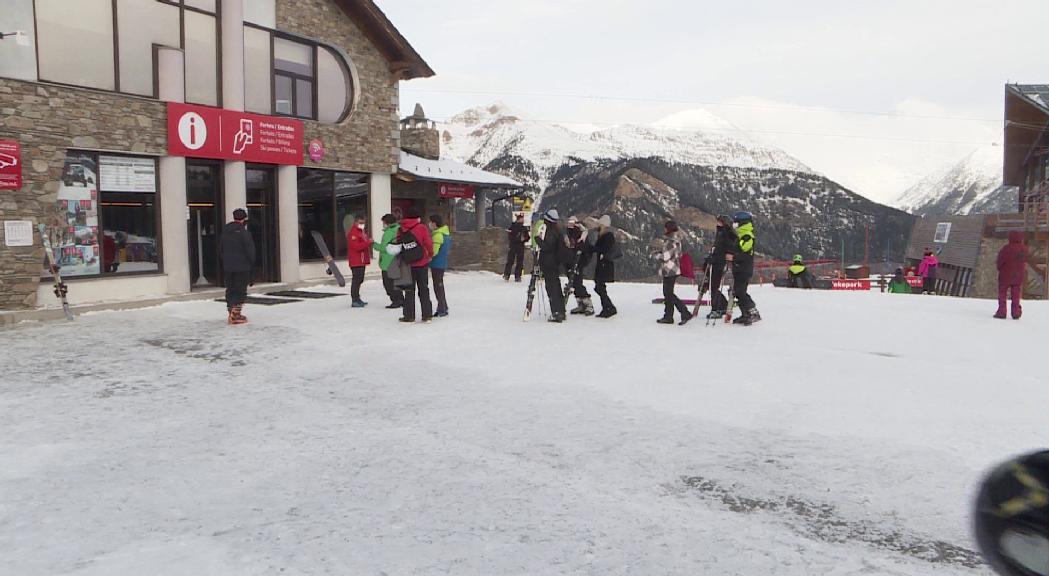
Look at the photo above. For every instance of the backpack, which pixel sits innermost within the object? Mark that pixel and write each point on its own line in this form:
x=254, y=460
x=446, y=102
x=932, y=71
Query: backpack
x=411, y=250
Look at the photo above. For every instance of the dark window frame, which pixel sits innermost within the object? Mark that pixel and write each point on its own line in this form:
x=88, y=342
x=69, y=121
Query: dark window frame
x=293, y=76
x=334, y=207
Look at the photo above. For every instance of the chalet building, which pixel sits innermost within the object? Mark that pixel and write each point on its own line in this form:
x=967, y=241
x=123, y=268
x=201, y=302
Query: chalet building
x=133, y=128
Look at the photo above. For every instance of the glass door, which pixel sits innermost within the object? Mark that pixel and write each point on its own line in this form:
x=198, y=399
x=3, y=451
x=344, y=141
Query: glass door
x=204, y=205
x=262, y=221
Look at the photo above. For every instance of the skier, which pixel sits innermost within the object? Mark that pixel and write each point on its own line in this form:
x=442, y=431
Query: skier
x=669, y=269
x=576, y=238
x=359, y=254
x=605, y=270
x=742, y=258
x=517, y=235
x=442, y=245
x=927, y=270
x=389, y=234
x=1012, y=269
x=237, y=251
x=552, y=254
x=898, y=284
x=798, y=274
x=414, y=245
x=724, y=240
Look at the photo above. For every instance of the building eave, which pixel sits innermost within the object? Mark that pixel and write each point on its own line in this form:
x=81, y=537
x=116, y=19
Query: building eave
x=403, y=61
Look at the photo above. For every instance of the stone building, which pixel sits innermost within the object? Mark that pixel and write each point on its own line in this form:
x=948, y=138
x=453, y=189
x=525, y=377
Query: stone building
x=133, y=128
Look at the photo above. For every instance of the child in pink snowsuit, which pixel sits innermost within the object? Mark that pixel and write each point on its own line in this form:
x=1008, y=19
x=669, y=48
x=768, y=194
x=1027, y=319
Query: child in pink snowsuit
x=1012, y=267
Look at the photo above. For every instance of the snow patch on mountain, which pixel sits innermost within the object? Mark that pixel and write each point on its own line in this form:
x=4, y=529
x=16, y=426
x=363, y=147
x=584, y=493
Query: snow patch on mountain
x=970, y=186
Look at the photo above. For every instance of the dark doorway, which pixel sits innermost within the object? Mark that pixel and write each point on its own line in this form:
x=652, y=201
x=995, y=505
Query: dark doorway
x=204, y=203
x=262, y=221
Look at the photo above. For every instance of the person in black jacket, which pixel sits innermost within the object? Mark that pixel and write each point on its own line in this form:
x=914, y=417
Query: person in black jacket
x=742, y=258
x=237, y=251
x=518, y=235
x=576, y=236
x=552, y=250
x=605, y=270
x=724, y=240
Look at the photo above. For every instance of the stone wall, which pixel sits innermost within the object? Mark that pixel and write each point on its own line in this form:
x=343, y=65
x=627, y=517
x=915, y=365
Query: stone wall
x=46, y=120
x=423, y=142
x=368, y=140
x=484, y=250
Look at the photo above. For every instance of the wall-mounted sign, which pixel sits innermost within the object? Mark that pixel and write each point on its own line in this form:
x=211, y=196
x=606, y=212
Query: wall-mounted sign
x=316, y=150
x=837, y=284
x=18, y=233
x=206, y=132
x=455, y=190
x=10, y=165
x=124, y=174
x=943, y=232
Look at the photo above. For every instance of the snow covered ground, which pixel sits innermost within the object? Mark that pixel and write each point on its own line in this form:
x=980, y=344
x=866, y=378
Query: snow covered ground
x=842, y=435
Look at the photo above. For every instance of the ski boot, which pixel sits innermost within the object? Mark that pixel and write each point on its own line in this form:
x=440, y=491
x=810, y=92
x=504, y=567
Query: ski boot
x=1017, y=311
x=358, y=304
x=608, y=312
x=585, y=307
x=685, y=318
x=665, y=320
x=1000, y=314
x=556, y=317
x=235, y=317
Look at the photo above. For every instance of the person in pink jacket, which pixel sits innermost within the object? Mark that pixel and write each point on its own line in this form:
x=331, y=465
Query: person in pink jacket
x=927, y=270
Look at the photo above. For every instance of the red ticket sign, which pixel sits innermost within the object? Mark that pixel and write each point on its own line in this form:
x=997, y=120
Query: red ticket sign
x=206, y=132
x=455, y=191
x=915, y=281
x=10, y=165
x=850, y=284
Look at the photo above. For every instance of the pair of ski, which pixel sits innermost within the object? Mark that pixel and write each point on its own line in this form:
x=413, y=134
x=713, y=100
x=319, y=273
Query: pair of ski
x=536, y=274
x=703, y=287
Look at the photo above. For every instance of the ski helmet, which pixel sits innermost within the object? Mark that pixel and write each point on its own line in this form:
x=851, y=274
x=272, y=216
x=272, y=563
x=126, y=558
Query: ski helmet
x=798, y=259
x=743, y=216
x=1011, y=521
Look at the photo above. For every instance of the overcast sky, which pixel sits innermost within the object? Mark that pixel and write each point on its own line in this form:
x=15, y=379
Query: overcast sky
x=873, y=93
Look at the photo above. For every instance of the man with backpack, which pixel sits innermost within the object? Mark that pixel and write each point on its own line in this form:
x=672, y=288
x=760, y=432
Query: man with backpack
x=414, y=246
x=742, y=259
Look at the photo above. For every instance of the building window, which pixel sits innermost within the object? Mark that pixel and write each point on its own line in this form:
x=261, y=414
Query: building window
x=202, y=63
x=75, y=42
x=154, y=23
x=18, y=52
x=293, y=76
x=257, y=71
x=261, y=13
x=334, y=87
x=106, y=216
x=328, y=203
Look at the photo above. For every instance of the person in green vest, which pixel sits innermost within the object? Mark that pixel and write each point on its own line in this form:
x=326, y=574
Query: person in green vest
x=899, y=284
x=390, y=227
x=798, y=274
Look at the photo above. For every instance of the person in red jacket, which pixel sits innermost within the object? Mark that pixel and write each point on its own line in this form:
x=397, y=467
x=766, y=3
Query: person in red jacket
x=359, y=254
x=412, y=224
x=1012, y=268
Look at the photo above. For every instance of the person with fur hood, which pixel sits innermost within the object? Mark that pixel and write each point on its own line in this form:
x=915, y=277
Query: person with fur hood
x=669, y=258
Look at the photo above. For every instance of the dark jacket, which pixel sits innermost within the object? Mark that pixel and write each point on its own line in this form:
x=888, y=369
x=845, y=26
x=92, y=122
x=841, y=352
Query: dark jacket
x=551, y=249
x=605, y=271
x=1012, y=261
x=724, y=240
x=518, y=234
x=237, y=248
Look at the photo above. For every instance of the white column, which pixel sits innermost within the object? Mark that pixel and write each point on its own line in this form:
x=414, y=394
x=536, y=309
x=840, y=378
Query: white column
x=171, y=78
x=288, y=222
x=233, y=95
x=236, y=192
x=380, y=201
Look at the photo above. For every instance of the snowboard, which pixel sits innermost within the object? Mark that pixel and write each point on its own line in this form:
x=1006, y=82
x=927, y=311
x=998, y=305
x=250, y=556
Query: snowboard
x=60, y=287
x=333, y=268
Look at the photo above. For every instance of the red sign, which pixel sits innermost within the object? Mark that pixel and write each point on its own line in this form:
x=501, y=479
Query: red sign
x=850, y=284
x=205, y=132
x=316, y=150
x=455, y=190
x=10, y=165
x=915, y=281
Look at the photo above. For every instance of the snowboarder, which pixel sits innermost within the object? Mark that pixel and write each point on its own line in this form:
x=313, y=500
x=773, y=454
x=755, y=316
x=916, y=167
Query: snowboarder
x=899, y=284
x=669, y=270
x=798, y=273
x=442, y=245
x=576, y=237
x=1012, y=270
x=389, y=234
x=552, y=254
x=359, y=254
x=605, y=270
x=415, y=246
x=517, y=235
x=724, y=240
x=237, y=251
x=742, y=258
x=927, y=270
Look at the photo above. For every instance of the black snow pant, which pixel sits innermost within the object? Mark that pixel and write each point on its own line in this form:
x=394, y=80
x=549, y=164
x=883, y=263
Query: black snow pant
x=601, y=288
x=741, y=275
x=514, y=261
x=670, y=300
x=717, y=299
x=576, y=279
x=237, y=288
x=438, y=288
x=420, y=284
x=929, y=285
x=355, y=283
x=554, y=291
x=395, y=294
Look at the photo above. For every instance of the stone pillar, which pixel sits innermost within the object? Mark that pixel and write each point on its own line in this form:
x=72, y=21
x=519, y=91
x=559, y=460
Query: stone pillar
x=288, y=222
x=171, y=80
x=232, y=22
x=479, y=208
x=380, y=201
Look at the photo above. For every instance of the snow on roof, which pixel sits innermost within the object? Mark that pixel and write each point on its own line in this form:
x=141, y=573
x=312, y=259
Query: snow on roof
x=452, y=171
x=1039, y=93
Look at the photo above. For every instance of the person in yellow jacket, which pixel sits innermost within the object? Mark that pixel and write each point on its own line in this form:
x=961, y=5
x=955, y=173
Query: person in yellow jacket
x=798, y=274
x=442, y=245
x=742, y=259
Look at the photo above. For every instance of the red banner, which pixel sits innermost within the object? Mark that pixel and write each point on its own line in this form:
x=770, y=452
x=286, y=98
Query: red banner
x=915, y=281
x=10, y=165
x=205, y=132
x=850, y=284
x=455, y=190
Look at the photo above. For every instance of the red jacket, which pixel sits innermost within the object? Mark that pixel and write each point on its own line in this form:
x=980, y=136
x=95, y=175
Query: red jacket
x=1012, y=261
x=358, y=247
x=422, y=234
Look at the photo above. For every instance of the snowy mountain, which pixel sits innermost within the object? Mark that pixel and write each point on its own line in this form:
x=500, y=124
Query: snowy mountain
x=972, y=186
x=690, y=166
